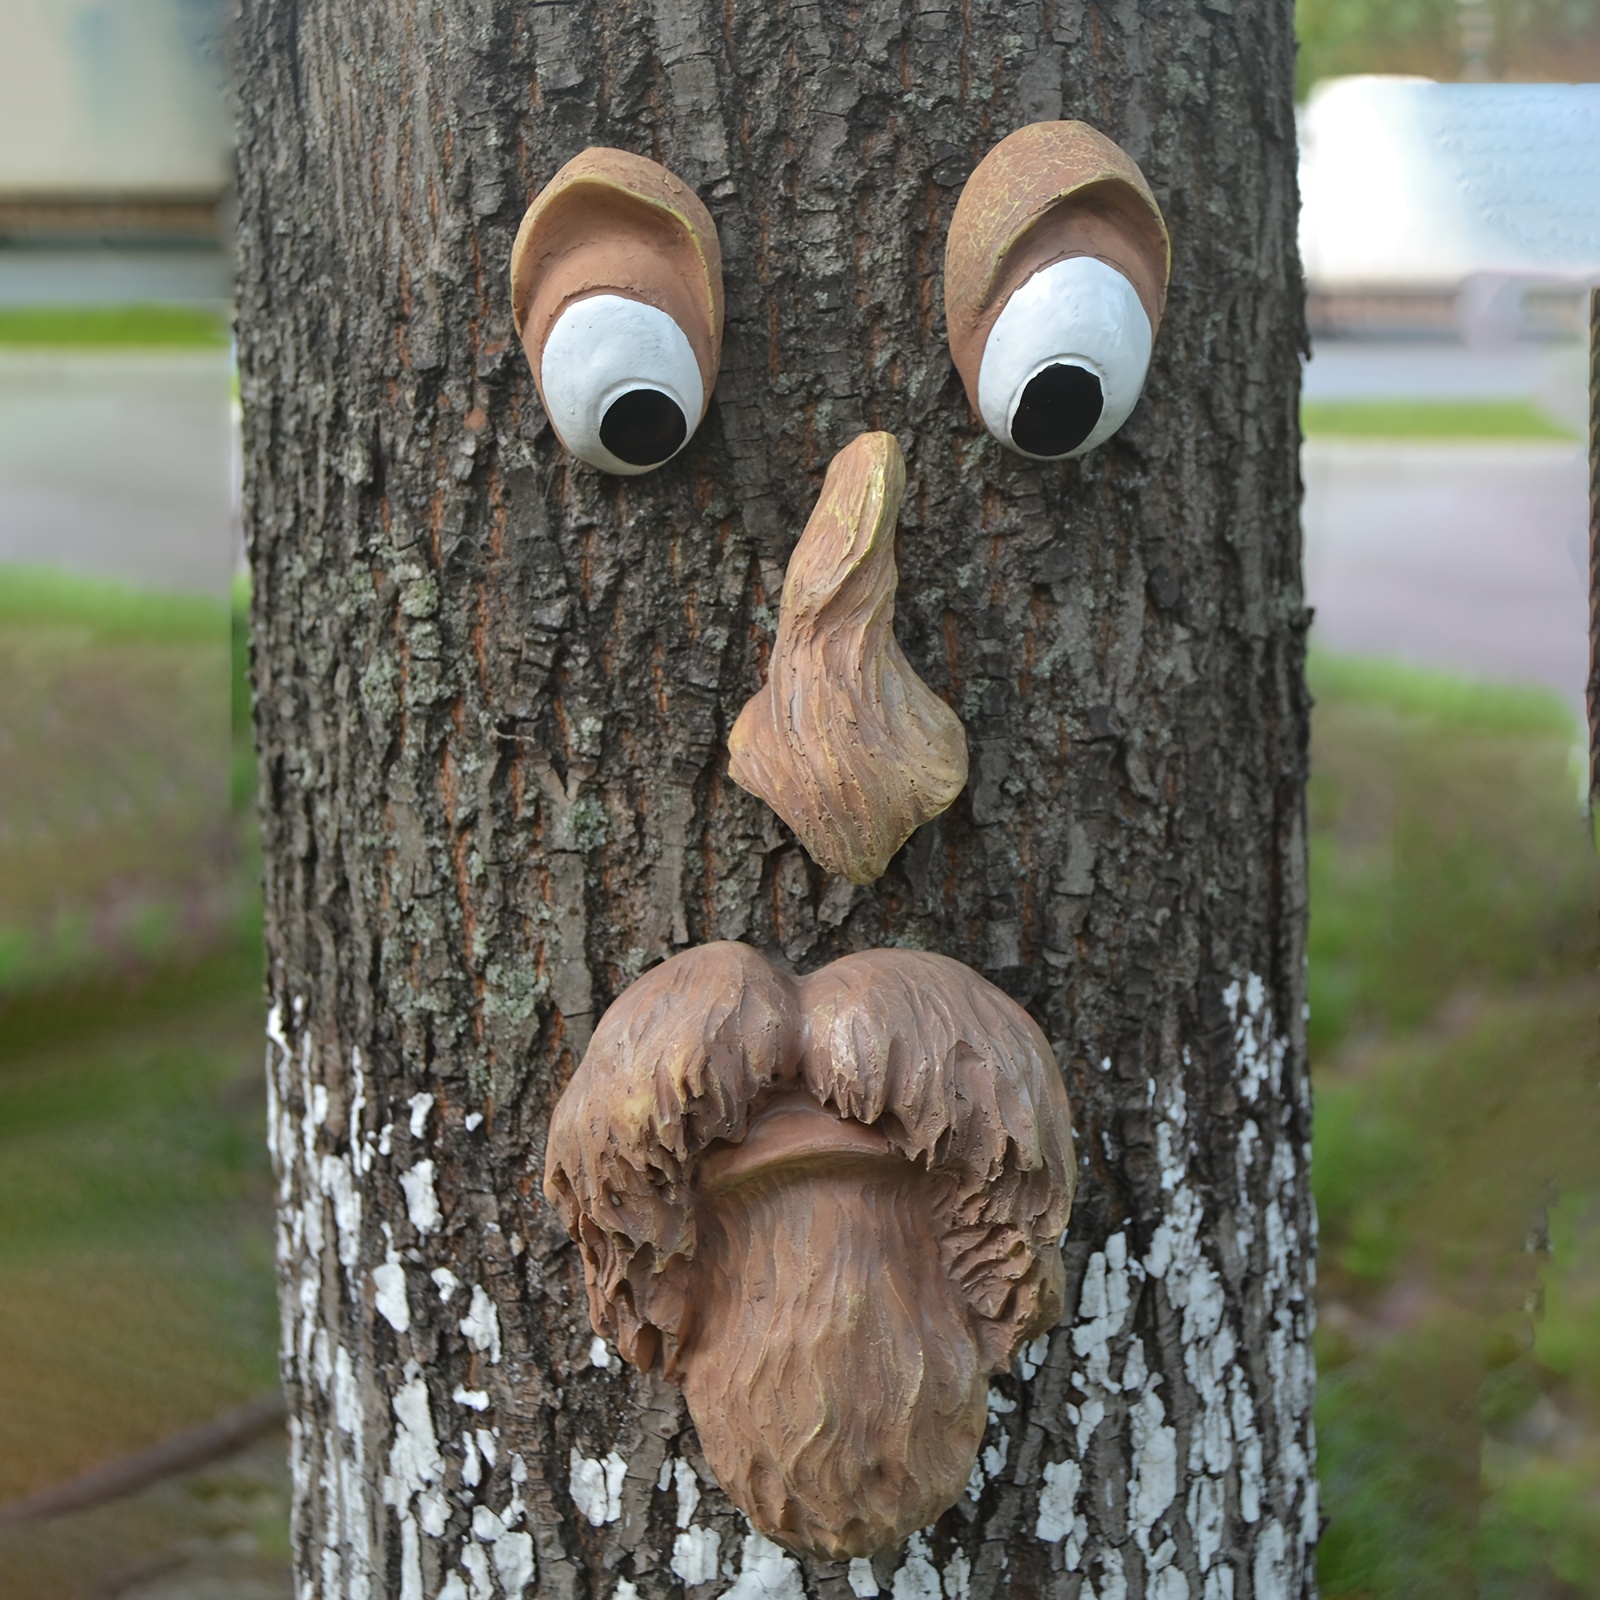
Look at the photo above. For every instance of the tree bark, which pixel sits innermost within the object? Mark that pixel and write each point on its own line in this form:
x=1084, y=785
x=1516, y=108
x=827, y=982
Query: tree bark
x=493, y=695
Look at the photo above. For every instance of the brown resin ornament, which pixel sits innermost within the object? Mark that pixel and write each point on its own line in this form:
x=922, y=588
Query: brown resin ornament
x=830, y=1208
x=845, y=742
x=616, y=290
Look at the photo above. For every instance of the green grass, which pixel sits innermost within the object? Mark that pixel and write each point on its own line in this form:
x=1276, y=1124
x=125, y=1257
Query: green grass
x=136, y=1281
x=1437, y=1158
x=41, y=596
x=113, y=327
x=136, y=1287
x=1441, y=698
x=121, y=847
x=221, y=1532
x=1447, y=847
x=1428, y=419
x=1456, y=1055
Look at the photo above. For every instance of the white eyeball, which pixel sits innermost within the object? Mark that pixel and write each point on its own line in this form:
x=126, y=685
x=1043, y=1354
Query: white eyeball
x=1065, y=360
x=620, y=383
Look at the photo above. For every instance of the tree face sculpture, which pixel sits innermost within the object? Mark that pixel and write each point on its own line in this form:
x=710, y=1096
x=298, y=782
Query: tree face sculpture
x=829, y=1208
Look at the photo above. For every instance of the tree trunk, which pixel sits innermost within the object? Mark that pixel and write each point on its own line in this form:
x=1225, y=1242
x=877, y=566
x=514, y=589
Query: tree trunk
x=494, y=691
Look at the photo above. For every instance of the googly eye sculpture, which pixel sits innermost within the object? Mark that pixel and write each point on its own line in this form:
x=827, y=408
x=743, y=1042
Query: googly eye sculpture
x=1055, y=278
x=616, y=288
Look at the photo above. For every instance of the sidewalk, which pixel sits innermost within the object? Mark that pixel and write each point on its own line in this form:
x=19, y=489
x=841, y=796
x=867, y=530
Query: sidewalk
x=1471, y=557
x=119, y=463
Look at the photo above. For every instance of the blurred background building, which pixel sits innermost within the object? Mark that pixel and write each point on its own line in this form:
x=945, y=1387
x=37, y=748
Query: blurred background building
x=1453, y=211
x=1450, y=234
x=116, y=156
x=116, y=172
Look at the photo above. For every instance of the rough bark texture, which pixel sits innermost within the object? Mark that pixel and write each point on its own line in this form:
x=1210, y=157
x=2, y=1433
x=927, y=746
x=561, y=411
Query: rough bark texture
x=494, y=691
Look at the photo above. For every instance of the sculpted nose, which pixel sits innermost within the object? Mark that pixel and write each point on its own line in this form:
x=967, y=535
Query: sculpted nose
x=846, y=743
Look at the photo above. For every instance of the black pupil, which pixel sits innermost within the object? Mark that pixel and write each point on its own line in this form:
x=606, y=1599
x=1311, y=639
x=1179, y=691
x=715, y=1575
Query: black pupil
x=1057, y=412
x=643, y=427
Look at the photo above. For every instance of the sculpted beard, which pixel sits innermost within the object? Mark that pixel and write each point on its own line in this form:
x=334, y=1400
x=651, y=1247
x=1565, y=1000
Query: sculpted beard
x=826, y=1207
x=832, y=1372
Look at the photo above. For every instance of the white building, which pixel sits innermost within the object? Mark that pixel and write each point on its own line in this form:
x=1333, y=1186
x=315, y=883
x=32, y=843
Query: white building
x=1472, y=206
x=113, y=115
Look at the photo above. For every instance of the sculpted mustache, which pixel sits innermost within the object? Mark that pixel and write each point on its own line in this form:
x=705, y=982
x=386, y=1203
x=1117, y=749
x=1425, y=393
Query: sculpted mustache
x=954, y=1075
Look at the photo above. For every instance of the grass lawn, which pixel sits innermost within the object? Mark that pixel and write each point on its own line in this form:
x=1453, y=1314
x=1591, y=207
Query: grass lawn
x=1428, y=419
x=120, y=847
x=1456, y=1046
x=41, y=597
x=136, y=1289
x=219, y=1533
x=113, y=327
x=136, y=1278
x=136, y=1283
x=135, y=1275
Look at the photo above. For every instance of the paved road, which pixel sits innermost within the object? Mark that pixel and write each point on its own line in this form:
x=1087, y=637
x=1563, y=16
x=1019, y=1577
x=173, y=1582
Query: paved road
x=1553, y=376
x=118, y=463
x=1469, y=557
